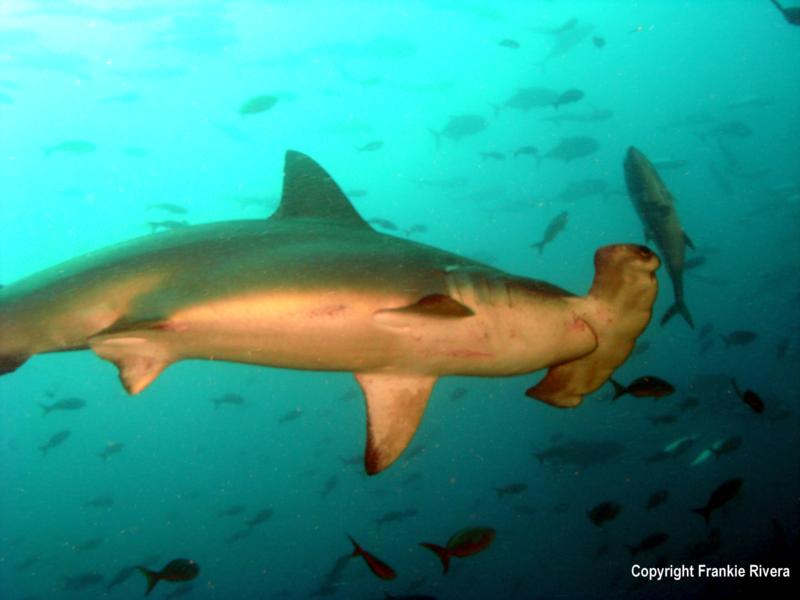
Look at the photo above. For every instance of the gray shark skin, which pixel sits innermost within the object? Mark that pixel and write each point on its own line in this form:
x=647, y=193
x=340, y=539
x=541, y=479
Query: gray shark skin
x=314, y=287
x=656, y=208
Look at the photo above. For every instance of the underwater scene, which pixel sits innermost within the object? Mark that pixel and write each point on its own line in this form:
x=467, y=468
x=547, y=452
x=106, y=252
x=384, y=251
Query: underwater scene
x=425, y=299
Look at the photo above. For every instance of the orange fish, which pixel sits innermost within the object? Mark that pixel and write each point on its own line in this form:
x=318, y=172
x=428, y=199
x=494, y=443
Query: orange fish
x=464, y=543
x=375, y=564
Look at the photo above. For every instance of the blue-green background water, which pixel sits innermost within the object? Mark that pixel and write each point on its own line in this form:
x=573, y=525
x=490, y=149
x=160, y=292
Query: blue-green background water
x=156, y=87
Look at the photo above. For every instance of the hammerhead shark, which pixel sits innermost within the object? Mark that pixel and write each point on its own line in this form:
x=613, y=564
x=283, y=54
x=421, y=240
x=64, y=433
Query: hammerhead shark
x=314, y=287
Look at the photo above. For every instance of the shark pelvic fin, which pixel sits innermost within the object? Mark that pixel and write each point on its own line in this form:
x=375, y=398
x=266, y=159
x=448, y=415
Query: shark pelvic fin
x=617, y=309
x=395, y=404
x=310, y=193
x=139, y=358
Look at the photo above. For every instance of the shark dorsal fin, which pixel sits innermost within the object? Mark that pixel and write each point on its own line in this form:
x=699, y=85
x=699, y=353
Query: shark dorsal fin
x=310, y=193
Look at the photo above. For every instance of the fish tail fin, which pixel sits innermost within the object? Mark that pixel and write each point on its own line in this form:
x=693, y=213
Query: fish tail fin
x=45, y=409
x=499, y=492
x=43, y=450
x=704, y=512
x=678, y=308
x=608, y=320
x=437, y=136
x=619, y=389
x=539, y=246
x=11, y=362
x=442, y=553
x=152, y=579
x=357, y=551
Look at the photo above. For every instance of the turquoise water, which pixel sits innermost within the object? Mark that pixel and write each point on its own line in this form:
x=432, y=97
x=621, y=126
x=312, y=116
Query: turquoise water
x=115, y=118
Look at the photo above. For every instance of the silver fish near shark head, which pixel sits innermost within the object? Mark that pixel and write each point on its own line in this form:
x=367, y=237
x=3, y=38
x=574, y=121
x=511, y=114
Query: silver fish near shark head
x=656, y=209
x=314, y=287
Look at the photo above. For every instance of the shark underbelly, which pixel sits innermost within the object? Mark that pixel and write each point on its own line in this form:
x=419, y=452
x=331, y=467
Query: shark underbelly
x=336, y=330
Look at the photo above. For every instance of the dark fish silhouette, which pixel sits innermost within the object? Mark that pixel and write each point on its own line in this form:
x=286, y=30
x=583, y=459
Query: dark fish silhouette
x=739, y=338
x=232, y=399
x=643, y=387
x=792, y=14
x=180, y=569
x=383, y=223
x=376, y=565
x=370, y=146
x=726, y=492
x=65, y=404
x=571, y=148
x=493, y=155
x=292, y=415
x=705, y=331
x=727, y=445
x=654, y=540
x=258, y=104
x=749, y=397
x=657, y=499
x=55, y=440
x=511, y=489
x=99, y=502
x=663, y=419
x=694, y=262
x=261, y=517
x=656, y=209
x=568, y=97
x=527, y=151
x=525, y=99
x=462, y=544
x=556, y=226
x=598, y=41
x=459, y=127
x=330, y=485
x=509, y=43
x=603, y=512
x=111, y=449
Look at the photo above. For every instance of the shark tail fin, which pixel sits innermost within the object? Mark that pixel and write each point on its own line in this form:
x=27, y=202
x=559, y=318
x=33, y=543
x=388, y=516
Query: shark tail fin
x=442, y=553
x=539, y=246
x=152, y=579
x=704, y=512
x=678, y=308
x=616, y=311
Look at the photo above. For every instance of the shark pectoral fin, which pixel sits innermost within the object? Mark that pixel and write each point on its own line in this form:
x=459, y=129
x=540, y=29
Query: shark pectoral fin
x=139, y=359
x=617, y=310
x=395, y=404
x=435, y=306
